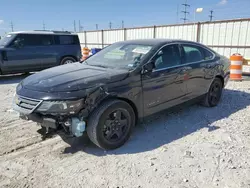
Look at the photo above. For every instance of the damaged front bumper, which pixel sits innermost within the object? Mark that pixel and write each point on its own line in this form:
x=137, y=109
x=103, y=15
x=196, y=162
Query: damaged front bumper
x=69, y=114
x=73, y=126
x=71, y=123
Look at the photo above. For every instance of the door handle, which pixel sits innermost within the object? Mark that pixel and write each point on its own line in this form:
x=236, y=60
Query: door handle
x=185, y=69
x=209, y=66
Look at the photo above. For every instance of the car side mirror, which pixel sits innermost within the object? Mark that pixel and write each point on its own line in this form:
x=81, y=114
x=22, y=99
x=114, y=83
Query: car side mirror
x=149, y=67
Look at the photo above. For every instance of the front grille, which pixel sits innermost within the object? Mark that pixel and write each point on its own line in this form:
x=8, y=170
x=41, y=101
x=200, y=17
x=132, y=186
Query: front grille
x=27, y=103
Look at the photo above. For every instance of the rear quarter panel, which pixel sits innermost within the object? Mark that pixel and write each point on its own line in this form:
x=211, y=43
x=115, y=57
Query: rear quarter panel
x=225, y=72
x=221, y=69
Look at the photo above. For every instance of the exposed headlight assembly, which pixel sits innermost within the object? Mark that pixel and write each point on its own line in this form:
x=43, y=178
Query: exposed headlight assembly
x=61, y=107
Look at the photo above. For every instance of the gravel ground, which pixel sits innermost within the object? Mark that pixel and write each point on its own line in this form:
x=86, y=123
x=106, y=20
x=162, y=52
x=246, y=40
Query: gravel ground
x=190, y=148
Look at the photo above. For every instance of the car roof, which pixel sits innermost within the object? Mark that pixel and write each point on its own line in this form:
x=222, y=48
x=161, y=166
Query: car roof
x=44, y=32
x=156, y=42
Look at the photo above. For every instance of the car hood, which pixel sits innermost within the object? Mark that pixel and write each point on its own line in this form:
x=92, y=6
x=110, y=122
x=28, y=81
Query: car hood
x=72, y=77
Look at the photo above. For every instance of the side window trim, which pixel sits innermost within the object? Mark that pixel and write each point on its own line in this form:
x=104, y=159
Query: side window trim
x=182, y=53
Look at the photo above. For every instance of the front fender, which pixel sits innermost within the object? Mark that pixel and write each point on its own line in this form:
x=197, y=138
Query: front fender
x=129, y=93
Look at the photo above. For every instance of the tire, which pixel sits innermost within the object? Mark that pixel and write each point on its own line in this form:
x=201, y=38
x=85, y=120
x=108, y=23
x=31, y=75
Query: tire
x=105, y=124
x=212, y=98
x=67, y=60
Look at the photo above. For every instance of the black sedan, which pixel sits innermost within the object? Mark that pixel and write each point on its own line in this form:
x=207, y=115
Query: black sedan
x=125, y=82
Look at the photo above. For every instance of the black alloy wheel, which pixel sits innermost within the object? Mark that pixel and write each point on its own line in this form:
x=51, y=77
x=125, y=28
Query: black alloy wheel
x=116, y=125
x=213, y=96
x=111, y=124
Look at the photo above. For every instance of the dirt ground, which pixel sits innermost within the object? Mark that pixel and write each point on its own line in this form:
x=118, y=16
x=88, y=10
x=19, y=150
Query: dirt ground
x=196, y=147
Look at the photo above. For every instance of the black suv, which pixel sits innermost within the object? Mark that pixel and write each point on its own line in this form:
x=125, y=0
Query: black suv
x=125, y=82
x=29, y=51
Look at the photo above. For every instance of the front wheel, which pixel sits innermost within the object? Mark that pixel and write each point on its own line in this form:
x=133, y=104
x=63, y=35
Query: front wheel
x=111, y=124
x=213, y=96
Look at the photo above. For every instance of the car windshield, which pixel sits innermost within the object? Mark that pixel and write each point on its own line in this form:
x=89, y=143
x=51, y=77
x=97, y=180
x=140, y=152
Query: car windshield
x=119, y=55
x=4, y=41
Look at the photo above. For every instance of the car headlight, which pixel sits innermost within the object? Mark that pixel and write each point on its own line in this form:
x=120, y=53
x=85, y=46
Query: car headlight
x=61, y=107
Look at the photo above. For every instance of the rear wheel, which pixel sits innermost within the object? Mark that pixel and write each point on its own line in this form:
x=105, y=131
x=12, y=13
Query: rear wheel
x=213, y=96
x=111, y=124
x=67, y=60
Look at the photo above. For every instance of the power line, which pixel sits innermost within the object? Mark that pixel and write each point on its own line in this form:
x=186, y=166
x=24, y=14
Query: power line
x=12, y=26
x=185, y=12
x=211, y=15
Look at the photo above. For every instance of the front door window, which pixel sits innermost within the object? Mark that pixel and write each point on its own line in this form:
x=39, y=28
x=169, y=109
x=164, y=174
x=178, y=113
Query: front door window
x=167, y=57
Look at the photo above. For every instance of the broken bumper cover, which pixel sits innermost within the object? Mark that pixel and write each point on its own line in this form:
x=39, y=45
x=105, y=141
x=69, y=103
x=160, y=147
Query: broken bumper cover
x=43, y=121
x=73, y=126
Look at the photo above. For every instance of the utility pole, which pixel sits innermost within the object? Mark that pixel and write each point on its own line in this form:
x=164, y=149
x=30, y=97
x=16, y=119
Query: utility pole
x=96, y=26
x=79, y=25
x=185, y=12
x=122, y=24
x=12, y=26
x=211, y=15
x=110, y=25
x=43, y=26
x=74, y=25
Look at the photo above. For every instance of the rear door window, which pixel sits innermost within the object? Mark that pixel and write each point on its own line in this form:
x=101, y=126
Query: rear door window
x=193, y=53
x=46, y=40
x=207, y=54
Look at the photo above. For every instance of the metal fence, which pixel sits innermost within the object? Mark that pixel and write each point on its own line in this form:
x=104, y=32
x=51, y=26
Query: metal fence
x=226, y=36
